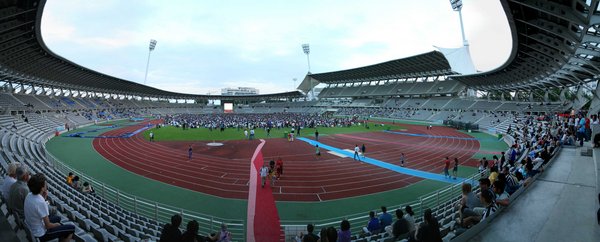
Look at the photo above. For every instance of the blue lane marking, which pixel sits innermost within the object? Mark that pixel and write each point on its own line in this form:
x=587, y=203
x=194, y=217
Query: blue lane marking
x=438, y=136
x=124, y=135
x=385, y=165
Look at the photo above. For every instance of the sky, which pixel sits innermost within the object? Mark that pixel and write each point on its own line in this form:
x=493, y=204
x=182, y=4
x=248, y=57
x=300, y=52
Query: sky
x=204, y=46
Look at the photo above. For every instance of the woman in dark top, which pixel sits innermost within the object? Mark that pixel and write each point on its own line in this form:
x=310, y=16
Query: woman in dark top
x=191, y=233
x=171, y=231
x=429, y=231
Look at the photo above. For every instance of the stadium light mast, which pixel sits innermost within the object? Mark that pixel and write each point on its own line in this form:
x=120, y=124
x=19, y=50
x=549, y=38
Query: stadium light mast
x=306, y=49
x=294, y=87
x=457, y=6
x=151, y=48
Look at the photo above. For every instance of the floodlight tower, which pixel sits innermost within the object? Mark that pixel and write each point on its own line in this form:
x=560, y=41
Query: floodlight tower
x=151, y=48
x=457, y=6
x=294, y=87
x=306, y=49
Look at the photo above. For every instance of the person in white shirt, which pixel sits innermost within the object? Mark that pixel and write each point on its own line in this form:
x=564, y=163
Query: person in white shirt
x=264, y=171
x=37, y=217
x=9, y=179
x=410, y=217
x=356, y=153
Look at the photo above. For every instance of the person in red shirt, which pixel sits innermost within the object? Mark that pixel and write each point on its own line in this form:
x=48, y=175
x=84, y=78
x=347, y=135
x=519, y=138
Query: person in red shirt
x=446, y=167
x=279, y=167
x=588, y=131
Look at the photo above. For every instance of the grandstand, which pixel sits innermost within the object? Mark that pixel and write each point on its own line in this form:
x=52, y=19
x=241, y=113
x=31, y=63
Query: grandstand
x=554, y=47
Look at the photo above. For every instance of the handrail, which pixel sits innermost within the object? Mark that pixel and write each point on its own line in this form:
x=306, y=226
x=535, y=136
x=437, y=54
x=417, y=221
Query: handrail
x=476, y=229
x=433, y=200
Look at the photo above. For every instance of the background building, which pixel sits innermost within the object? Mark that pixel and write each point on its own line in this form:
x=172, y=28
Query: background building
x=239, y=91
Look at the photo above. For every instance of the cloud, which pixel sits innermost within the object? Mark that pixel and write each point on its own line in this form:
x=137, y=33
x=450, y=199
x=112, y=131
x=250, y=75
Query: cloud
x=204, y=46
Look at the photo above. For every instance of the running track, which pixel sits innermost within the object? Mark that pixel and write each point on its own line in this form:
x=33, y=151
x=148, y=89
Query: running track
x=223, y=171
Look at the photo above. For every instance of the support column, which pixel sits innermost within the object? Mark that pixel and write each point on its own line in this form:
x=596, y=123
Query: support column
x=563, y=94
x=595, y=106
x=580, y=100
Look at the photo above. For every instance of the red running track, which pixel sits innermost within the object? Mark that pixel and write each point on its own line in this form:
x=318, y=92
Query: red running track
x=223, y=171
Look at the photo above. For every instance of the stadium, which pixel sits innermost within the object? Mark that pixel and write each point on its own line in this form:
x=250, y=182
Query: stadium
x=410, y=132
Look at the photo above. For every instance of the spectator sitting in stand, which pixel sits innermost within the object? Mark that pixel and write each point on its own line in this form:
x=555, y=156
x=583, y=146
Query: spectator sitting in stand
x=171, y=232
x=468, y=202
x=70, y=178
x=373, y=226
x=223, y=236
x=429, y=230
x=310, y=236
x=75, y=183
x=331, y=234
x=400, y=229
x=410, y=217
x=344, y=234
x=385, y=218
x=42, y=225
x=9, y=179
x=19, y=191
x=493, y=174
x=487, y=198
x=87, y=188
x=191, y=233
x=512, y=183
x=502, y=197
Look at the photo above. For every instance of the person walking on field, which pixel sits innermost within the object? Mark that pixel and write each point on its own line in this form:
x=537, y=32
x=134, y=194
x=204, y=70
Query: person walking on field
x=356, y=153
x=402, y=158
x=316, y=135
x=318, y=151
x=455, y=169
x=363, y=149
x=264, y=171
x=272, y=172
x=279, y=167
x=151, y=136
x=190, y=152
x=446, y=167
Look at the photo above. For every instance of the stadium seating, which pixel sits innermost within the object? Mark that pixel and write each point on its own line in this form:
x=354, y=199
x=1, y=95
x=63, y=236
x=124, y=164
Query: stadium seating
x=98, y=219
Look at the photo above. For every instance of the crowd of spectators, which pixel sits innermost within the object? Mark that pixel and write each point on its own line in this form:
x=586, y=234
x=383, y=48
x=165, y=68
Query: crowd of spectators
x=535, y=141
x=26, y=198
x=247, y=121
x=172, y=233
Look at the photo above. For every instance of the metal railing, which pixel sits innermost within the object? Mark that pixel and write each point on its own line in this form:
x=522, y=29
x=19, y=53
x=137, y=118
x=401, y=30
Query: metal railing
x=435, y=200
x=152, y=209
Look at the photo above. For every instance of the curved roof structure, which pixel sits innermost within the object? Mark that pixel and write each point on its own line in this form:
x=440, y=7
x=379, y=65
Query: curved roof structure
x=427, y=64
x=25, y=58
x=555, y=44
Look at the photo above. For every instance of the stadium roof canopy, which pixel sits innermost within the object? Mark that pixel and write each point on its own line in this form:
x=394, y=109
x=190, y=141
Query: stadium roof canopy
x=428, y=64
x=24, y=58
x=555, y=44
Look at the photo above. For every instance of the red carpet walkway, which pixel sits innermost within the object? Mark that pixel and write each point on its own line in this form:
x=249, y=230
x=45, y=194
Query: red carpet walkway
x=263, y=219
